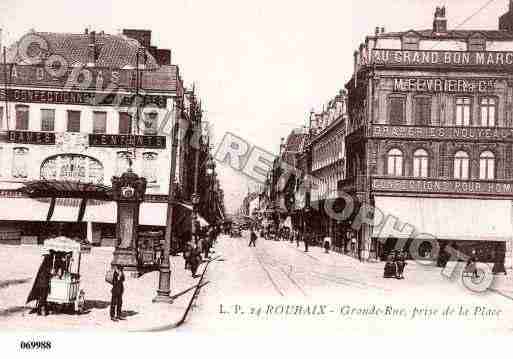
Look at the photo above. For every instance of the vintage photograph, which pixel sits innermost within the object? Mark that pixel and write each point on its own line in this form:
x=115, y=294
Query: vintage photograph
x=270, y=168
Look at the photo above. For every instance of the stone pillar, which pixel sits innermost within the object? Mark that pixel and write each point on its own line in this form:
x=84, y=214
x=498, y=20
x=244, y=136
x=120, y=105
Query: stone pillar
x=89, y=232
x=128, y=192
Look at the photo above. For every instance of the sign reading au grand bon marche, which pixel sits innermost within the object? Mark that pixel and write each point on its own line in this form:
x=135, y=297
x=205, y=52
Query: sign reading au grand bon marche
x=502, y=59
x=441, y=186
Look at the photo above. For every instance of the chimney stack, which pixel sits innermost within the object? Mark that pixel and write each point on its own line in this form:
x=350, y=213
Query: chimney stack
x=91, y=50
x=506, y=20
x=440, y=22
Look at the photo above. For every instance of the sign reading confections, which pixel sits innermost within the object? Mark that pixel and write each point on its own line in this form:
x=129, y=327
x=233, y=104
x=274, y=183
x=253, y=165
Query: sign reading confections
x=79, y=98
x=444, y=85
x=498, y=59
x=31, y=138
x=443, y=133
x=140, y=141
x=442, y=186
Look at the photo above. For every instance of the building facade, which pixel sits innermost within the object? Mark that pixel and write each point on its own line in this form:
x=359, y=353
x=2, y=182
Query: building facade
x=430, y=141
x=83, y=108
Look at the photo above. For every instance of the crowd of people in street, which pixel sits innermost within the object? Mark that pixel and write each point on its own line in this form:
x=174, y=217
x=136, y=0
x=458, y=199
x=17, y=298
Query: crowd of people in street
x=199, y=246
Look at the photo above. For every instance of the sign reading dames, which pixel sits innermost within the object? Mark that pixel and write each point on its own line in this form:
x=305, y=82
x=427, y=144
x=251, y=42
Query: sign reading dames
x=437, y=58
x=440, y=186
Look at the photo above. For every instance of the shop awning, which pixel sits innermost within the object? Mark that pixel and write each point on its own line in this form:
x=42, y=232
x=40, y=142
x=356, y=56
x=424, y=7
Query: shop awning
x=23, y=209
x=446, y=218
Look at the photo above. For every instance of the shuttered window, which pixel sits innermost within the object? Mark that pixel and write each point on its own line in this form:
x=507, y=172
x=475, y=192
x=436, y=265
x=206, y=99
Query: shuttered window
x=47, y=120
x=422, y=111
x=397, y=110
x=99, y=122
x=73, y=121
x=22, y=117
x=125, y=123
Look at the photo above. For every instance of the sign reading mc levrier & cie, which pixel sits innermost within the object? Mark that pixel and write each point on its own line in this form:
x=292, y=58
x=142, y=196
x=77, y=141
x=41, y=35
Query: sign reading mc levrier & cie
x=441, y=186
x=444, y=85
x=443, y=133
x=139, y=141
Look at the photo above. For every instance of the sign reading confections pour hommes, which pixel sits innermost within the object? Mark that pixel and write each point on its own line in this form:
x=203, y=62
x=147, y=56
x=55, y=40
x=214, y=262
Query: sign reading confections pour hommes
x=79, y=98
x=501, y=59
x=441, y=186
x=140, y=141
x=444, y=85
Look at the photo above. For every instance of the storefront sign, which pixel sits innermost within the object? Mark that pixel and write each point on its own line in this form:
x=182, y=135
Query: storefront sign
x=31, y=138
x=10, y=193
x=441, y=186
x=140, y=141
x=79, y=98
x=444, y=85
x=443, y=133
x=498, y=59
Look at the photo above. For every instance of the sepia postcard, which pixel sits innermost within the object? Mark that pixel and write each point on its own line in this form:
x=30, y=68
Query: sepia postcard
x=255, y=168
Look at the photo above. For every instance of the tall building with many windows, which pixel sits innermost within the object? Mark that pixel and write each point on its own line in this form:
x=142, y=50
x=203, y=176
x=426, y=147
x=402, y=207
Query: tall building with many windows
x=83, y=108
x=430, y=141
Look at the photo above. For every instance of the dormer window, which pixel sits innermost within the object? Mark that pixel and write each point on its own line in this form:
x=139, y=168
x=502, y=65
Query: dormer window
x=410, y=42
x=477, y=43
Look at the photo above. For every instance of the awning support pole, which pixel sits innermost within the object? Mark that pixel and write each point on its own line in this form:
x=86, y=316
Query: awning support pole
x=81, y=210
x=50, y=209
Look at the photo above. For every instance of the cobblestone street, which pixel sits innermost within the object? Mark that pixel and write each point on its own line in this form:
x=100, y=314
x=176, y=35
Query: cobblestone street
x=250, y=288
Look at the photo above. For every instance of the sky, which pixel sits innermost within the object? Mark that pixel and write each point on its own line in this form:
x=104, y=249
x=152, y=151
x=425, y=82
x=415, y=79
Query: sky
x=258, y=66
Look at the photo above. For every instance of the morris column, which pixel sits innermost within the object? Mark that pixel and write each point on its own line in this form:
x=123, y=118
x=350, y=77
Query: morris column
x=128, y=192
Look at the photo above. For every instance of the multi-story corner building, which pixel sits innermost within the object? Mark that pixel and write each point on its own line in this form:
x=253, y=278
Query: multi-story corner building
x=326, y=149
x=83, y=108
x=430, y=140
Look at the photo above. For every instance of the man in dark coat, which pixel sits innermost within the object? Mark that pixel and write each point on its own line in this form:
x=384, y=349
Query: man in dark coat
x=252, y=238
x=117, y=293
x=306, y=238
x=41, y=287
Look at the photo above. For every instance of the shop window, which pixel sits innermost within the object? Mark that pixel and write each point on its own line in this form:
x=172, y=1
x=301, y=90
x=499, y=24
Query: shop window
x=487, y=166
x=150, y=167
x=19, y=162
x=150, y=123
x=463, y=111
x=99, y=122
x=123, y=162
x=420, y=163
x=47, y=120
x=395, y=162
x=423, y=111
x=397, y=113
x=2, y=126
x=22, y=117
x=125, y=123
x=73, y=121
x=461, y=165
x=488, y=111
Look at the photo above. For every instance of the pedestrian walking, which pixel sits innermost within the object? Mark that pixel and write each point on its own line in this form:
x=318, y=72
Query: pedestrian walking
x=116, y=302
x=298, y=238
x=327, y=244
x=252, y=239
x=306, y=238
x=401, y=263
x=194, y=259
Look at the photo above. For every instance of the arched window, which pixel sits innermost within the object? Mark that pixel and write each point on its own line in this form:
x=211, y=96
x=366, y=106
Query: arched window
x=461, y=165
x=420, y=163
x=487, y=165
x=395, y=162
x=122, y=162
x=150, y=167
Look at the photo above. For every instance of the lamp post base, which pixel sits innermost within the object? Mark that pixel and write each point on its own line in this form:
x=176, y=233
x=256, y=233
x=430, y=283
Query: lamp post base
x=163, y=298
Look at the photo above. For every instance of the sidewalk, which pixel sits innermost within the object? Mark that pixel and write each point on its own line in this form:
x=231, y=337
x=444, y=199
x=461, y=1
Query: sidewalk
x=19, y=264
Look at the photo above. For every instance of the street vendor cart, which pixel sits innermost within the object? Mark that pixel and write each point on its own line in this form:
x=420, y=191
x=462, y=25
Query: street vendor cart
x=65, y=256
